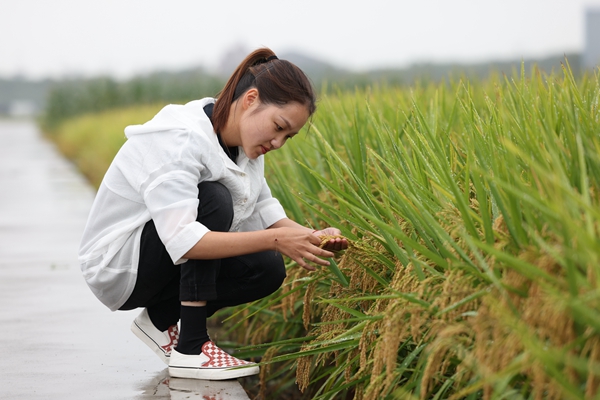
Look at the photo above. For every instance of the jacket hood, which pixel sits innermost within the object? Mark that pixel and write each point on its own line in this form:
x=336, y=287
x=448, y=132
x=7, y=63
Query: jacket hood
x=174, y=116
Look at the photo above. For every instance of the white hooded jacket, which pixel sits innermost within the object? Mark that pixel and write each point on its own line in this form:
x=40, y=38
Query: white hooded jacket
x=155, y=175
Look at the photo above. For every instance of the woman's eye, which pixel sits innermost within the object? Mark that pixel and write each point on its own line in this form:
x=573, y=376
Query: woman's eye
x=278, y=128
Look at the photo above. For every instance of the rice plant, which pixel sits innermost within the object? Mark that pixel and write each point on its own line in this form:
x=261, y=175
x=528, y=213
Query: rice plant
x=473, y=214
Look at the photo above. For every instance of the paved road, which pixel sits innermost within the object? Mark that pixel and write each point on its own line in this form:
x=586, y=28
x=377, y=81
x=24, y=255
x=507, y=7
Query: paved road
x=56, y=340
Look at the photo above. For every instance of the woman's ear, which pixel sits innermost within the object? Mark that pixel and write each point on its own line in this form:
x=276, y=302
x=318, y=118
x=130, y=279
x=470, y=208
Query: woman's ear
x=250, y=98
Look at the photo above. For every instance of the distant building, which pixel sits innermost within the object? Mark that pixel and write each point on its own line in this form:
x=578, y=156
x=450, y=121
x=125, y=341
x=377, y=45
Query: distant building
x=591, y=53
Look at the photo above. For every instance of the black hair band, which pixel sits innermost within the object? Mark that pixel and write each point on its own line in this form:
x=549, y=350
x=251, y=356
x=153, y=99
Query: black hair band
x=265, y=60
x=248, y=78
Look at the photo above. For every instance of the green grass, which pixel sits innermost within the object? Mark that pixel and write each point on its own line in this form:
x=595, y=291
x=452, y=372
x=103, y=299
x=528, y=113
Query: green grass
x=473, y=212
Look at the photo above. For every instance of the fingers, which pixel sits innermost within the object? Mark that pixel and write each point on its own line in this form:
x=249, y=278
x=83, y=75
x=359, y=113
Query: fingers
x=318, y=260
x=314, y=239
x=305, y=262
x=307, y=266
x=328, y=231
x=306, y=249
x=313, y=256
x=336, y=244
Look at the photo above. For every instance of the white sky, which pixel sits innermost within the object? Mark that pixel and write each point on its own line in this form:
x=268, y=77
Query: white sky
x=42, y=38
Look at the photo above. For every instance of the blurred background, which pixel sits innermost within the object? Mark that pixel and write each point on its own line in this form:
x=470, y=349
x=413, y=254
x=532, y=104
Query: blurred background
x=130, y=52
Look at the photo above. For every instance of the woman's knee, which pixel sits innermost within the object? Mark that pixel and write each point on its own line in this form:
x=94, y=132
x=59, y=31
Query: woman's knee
x=215, y=206
x=274, y=273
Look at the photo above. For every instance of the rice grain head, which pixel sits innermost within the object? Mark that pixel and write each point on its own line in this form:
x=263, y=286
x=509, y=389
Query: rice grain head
x=303, y=371
x=308, y=295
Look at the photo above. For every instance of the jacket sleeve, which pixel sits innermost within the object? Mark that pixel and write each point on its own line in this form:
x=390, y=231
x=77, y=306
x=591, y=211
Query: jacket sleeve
x=171, y=196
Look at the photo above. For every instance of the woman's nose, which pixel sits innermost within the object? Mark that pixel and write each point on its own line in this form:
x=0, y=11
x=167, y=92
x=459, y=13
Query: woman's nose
x=277, y=143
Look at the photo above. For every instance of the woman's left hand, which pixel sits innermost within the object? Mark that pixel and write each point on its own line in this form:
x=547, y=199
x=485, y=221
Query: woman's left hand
x=334, y=244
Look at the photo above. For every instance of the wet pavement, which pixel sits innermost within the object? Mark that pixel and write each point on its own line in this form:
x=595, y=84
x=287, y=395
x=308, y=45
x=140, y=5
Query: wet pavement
x=57, y=340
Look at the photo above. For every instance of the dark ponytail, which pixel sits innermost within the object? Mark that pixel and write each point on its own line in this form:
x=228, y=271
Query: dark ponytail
x=277, y=81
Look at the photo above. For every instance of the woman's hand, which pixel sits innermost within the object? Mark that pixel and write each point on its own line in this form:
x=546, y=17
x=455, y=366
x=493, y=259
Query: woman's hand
x=334, y=244
x=302, y=246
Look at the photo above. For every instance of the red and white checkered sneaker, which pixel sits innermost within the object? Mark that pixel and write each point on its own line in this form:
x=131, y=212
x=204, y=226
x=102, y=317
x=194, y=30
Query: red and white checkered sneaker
x=212, y=364
x=161, y=342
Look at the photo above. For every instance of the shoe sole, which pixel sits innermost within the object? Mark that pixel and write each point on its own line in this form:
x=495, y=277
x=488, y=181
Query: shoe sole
x=137, y=331
x=212, y=374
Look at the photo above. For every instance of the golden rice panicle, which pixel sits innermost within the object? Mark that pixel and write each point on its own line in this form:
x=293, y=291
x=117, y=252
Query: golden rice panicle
x=257, y=333
x=549, y=319
x=457, y=286
x=377, y=377
x=405, y=279
x=495, y=345
x=336, y=290
x=266, y=369
x=359, y=394
x=492, y=348
x=303, y=371
x=592, y=351
x=350, y=367
x=287, y=303
x=326, y=238
x=394, y=332
x=374, y=388
x=418, y=321
x=543, y=312
x=500, y=225
x=365, y=345
x=292, y=282
x=357, y=250
x=451, y=220
x=450, y=342
x=360, y=254
x=437, y=352
x=504, y=317
x=540, y=389
x=308, y=295
x=332, y=315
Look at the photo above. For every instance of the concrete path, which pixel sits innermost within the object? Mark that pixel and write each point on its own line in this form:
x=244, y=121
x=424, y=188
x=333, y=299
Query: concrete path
x=57, y=341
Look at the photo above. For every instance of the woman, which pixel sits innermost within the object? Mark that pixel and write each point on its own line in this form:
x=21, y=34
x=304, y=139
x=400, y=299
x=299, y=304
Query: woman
x=184, y=223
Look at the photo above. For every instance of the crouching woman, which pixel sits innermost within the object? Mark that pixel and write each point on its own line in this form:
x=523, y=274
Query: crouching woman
x=184, y=223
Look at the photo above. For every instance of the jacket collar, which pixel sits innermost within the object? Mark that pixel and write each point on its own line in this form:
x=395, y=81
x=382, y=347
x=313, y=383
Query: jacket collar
x=207, y=127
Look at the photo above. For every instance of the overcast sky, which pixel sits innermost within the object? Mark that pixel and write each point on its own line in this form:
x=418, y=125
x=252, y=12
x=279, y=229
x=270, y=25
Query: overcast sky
x=53, y=38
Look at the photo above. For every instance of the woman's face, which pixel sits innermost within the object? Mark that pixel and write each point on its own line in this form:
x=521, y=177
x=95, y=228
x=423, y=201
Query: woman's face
x=266, y=127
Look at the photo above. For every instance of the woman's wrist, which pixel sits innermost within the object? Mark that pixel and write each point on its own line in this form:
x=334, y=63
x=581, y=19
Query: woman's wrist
x=273, y=239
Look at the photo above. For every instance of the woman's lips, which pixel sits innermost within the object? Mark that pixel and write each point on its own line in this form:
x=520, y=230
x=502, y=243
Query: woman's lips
x=264, y=149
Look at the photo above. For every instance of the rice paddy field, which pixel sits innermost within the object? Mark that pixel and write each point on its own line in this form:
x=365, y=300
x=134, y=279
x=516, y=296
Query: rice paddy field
x=473, y=272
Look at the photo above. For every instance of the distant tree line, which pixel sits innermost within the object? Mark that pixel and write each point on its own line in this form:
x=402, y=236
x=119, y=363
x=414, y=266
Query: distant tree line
x=74, y=97
x=69, y=98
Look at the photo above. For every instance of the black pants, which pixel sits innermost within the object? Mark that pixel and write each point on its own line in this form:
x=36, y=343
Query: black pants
x=161, y=285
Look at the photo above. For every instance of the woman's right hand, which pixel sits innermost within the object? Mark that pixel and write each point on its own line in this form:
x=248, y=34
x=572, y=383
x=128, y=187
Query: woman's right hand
x=301, y=246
